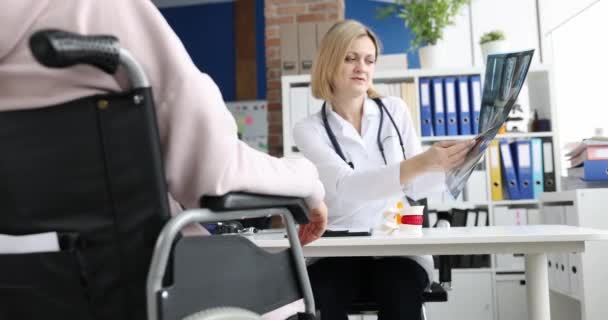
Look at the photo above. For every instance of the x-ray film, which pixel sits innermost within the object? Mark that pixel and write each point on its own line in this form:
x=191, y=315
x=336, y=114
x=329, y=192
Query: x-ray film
x=504, y=76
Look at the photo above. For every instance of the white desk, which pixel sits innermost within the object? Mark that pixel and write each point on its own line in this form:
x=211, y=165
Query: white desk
x=534, y=241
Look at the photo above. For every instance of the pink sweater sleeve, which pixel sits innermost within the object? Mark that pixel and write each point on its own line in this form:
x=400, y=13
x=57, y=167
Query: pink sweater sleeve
x=202, y=154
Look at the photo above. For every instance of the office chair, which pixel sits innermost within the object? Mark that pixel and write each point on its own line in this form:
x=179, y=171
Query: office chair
x=437, y=291
x=91, y=171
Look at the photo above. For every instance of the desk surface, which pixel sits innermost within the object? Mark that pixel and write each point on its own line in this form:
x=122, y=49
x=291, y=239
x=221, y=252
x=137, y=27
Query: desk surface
x=457, y=240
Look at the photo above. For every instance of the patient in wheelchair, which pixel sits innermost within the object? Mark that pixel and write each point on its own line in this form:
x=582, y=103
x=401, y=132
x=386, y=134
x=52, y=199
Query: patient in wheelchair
x=198, y=145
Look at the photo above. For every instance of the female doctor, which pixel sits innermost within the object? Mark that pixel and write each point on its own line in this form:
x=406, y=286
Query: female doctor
x=369, y=157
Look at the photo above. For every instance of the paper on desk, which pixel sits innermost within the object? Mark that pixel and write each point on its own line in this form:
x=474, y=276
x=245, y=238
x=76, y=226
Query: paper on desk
x=31, y=243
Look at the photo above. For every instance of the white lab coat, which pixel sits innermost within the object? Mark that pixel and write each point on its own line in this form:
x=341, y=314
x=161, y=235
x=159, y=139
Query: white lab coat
x=357, y=198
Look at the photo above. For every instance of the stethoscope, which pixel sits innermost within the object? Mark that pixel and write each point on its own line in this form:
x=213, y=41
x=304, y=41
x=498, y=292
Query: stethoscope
x=336, y=145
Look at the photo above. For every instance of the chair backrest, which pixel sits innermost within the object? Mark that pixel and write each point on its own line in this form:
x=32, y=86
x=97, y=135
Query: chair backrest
x=90, y=170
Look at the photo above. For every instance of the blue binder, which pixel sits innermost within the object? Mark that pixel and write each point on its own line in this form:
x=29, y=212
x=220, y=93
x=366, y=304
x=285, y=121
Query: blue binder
x=451, y=118
x=537, y=166
x=463, y=106
x=437, y=104
x=595, y=170
x=508, y=171
x=426, y=116
x=475, y=100
x=522, y=160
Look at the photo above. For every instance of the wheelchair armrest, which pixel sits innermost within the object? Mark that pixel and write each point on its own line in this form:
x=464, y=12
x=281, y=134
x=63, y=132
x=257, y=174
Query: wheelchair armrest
x=247, y=201
x=445, y=268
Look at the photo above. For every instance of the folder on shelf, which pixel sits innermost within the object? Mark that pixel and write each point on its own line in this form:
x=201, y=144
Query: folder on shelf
x=482, y=218
x=476, y=188
x=289, y=49
x=437, y=104
x=495, y=172
x=508, y=171
x=595, y=170
x=471, y=218
x=475, y=101
x=548, y=168
x=459, y=217
x=534, y=217
x=522, y=160
x=449, y=91
x=383, y=89
x=307, y=45
x=537, y=166
x=321, y=30
x=426, y=116
x=408, y=94
x=463, y=108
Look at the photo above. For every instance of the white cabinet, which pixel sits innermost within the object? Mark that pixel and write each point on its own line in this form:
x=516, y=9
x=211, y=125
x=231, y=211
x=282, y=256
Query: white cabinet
x=511, y=297
x=581, y=277
x=471, y=298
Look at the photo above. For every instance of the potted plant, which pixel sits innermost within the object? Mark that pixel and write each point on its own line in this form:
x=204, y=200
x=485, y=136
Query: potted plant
x=492, y=42
x=427, y=20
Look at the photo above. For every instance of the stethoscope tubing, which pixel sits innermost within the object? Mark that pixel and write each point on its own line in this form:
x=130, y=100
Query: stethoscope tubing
x=336, y=145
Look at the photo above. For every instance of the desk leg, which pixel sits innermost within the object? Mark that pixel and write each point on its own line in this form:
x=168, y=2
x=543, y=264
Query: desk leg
x=537, y=281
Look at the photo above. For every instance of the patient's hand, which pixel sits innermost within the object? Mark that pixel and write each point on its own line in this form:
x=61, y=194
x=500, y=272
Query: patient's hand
x=315, y=228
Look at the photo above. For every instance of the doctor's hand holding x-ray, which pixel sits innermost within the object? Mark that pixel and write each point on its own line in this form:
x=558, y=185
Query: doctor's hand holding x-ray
x=369, y=156
x=442, y=156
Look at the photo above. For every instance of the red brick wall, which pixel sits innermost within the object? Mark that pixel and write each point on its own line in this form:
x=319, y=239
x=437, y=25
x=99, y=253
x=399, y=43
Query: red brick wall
x=278, y=12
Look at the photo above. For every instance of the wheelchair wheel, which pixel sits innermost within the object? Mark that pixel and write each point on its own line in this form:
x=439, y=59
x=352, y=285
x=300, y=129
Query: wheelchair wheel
x=224, y=313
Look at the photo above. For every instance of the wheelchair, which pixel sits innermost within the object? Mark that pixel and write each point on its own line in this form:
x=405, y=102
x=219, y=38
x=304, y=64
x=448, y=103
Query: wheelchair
x=90, y=171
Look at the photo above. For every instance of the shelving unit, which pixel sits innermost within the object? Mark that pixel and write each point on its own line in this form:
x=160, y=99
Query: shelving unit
x=578, y=280
x=513, y=135
x=503, y=283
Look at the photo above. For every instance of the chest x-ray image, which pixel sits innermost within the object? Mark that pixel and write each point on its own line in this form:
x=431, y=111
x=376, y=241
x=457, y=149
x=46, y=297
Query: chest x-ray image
x=504, y=76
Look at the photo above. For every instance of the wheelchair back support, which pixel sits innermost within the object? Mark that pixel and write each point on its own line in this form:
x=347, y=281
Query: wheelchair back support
x=89, y=170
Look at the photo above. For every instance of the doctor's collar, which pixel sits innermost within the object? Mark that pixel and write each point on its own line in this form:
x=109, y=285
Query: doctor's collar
x=369, y=109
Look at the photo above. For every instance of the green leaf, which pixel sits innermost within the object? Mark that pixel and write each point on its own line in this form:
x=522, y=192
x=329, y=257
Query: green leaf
x=425, y=18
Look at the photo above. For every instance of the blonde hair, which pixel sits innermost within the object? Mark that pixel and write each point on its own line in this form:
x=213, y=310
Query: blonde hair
x=331, y=55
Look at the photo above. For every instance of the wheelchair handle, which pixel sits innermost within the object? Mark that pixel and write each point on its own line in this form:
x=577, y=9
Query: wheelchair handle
x=59, y=49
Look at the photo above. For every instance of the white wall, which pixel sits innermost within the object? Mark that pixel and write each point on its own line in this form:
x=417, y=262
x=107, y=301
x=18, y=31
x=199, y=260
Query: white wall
x=516, y=18
x=576, y=45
